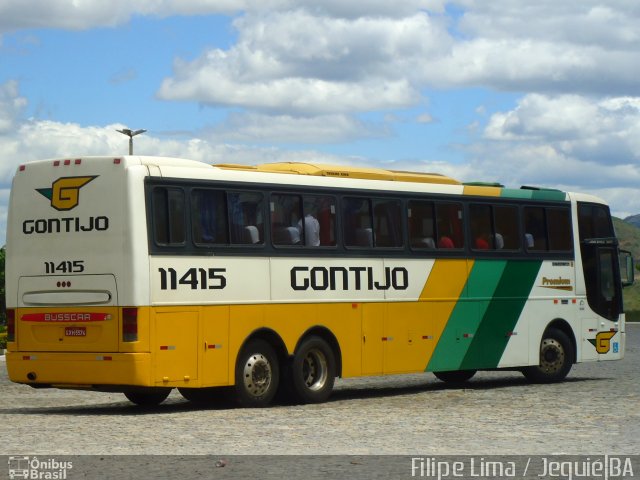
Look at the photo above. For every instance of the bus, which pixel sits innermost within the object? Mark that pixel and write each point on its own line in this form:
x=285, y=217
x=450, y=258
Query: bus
x=143, y=274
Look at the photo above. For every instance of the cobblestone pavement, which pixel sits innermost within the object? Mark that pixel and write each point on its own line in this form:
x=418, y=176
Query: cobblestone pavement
x=596, y=411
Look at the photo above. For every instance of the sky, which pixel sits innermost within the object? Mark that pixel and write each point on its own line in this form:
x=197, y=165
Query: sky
x=542, y=93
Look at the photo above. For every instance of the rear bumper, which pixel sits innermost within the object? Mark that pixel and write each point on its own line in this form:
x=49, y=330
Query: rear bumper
x=79, y=370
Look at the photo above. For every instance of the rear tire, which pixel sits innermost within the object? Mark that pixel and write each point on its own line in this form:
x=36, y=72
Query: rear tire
x=204, y=396
x=455, y=376
x=257, y=374
x=312, y=372
x=556, y=358
x=148, y=397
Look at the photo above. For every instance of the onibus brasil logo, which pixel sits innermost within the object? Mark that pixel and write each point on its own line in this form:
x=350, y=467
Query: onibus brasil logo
x=64, y=193
x=34, y=468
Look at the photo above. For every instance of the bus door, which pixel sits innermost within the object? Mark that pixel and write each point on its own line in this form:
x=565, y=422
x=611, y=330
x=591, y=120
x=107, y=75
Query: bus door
x=604, y=297
x=599, y=252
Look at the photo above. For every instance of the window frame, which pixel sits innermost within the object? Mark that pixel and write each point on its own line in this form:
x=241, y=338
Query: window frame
x=440, y=205
x=168, y=214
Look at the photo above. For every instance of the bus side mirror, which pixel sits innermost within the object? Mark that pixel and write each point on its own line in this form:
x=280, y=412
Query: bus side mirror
x=626, y=268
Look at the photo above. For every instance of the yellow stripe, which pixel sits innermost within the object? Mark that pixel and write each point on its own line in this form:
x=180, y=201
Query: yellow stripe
x=442, y=290
x=446, y=280
x=482, y=191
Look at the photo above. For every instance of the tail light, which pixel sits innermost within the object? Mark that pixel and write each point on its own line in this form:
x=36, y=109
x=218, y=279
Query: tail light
x=129, y=324
x=11, y=325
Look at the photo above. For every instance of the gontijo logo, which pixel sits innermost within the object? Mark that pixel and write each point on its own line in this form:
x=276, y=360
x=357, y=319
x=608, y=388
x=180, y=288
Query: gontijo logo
x=602, y=342
x=65, y=192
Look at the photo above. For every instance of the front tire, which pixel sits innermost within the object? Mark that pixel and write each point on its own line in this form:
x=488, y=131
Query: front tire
x=257, y=374
x=556, y=358
x=312, y=371
x=148, y=397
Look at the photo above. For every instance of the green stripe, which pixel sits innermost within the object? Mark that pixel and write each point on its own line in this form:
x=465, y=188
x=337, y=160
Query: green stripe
x=543, y=194
x=555, y=195
x=465, y=317
x=502, y=314
x=516, y=193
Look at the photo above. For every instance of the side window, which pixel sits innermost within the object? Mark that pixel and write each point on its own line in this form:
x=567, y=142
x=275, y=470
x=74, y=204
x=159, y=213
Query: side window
x=559, y=224
x=421, y=220
x=286, y=219
x=387, y=231
x=246, y=218
x=594, y=221
x=449, y=229
x=494, y=227
x=507, y=227
x=356, y=221
x=209, y=217
x=481, y=230
x=535, y=229
x=168, y=216
x=319, y=224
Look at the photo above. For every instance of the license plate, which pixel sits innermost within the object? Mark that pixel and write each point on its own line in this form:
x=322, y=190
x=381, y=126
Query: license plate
x=75, y=331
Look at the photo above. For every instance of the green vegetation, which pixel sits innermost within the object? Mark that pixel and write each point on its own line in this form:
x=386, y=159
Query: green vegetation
x=629, y=236
x=3, y=314
x=3, y=305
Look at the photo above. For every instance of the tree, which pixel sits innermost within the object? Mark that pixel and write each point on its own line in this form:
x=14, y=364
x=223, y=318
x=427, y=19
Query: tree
x=3, y=305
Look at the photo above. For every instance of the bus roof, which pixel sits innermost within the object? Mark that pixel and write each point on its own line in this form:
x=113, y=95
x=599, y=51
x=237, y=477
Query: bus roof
x=359, y=173
x=341, y=171
x=321, y=174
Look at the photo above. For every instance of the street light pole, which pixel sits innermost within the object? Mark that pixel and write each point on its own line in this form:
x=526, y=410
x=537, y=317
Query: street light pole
x=131, y=133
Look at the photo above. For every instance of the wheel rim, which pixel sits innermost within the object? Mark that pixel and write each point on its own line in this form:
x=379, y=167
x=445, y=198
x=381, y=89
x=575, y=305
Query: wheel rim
x=257, y=375
x=315, y=370
x=551, y=356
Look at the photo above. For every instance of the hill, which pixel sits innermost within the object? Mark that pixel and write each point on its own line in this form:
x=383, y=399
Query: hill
x=629, y=236
x=633, y=220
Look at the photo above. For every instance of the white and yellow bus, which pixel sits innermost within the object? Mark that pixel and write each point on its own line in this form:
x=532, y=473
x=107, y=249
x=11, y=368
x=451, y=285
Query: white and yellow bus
x=144, y=274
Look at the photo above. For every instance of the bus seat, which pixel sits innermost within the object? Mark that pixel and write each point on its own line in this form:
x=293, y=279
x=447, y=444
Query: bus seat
x=498, y=241
x=423, y=242
x=445, y=242
x=251, y=234
x=364, y=237
x=286, y=235
x=528, y=240
x=293, y=235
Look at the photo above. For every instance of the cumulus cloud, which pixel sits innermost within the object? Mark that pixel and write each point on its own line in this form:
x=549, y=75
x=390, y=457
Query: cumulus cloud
x=546, y=46
x=606, y=131
x=589, y=22
x=85, y=14
x=301, y=59
x=11, y=106
x=297, y=62
x=255, y=127
x=567, y=142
